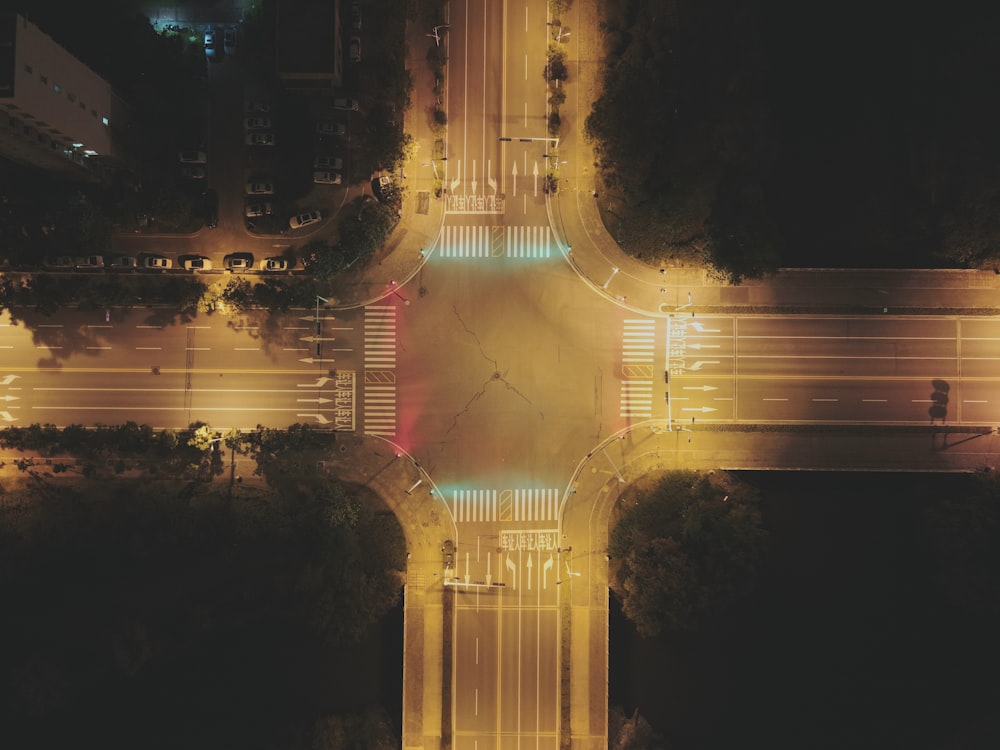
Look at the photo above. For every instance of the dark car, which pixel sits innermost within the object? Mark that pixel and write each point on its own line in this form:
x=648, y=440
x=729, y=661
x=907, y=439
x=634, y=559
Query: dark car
x=210, y=208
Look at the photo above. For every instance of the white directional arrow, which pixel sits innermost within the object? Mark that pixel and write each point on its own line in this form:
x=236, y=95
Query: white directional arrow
x=9, y=379
x=530, y=566
x=701, y=329
x=319, y=417
x=7, y=397
x=474, y=181
x=534, y=172
x=489, y=176
x=546, y=567
x=704, y=346
x=489, y=576
x=697, y=365
x=513, y=571
x=514, y=172
x=320, y=382
x=467, y=576
x=457, y=179
x=314, y=339
x=702, y=409
x=319, y=400
x=570, y=572
x=313, y=317
x=312, y=361
x=700, y=388
x=6, y=417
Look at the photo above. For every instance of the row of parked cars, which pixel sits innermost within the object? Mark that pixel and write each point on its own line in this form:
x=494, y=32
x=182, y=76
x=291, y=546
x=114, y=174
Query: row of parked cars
x=233, y=262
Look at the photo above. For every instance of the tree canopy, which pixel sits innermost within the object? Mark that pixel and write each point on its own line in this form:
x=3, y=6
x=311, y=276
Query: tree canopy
x=689, y=548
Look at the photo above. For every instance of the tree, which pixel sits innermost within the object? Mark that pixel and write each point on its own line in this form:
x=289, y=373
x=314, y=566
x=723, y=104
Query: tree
x=689, y=549
x=742, y=237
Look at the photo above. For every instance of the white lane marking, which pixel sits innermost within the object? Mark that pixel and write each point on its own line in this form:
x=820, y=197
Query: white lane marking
x=155, y=328
x=44, y=346
x=98, y=347
x=148, y=348
x=970, y=401
x=246, y=349
x=197, y=348
x=775, y=399
x=826, y=399
x=874, y=400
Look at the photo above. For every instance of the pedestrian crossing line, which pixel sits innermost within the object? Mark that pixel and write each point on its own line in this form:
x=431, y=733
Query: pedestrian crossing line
x=635, y=397
x=495, y=242
x=507, y=505
x=380, y=380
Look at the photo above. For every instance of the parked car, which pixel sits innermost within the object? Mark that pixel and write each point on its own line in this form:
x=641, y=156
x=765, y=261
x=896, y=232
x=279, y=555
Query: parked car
x=157, y=261
x=327, y=178
x=330, y=127
x=328, y=162
x=90, y=261
x=229, y=41
x=122, y=262
x=59, y=261
x=274, y=264
x=348, y=105
x=304, y=219
x=259, y=188
x=197, y=263
x=260, y=139
x=239, y=262
x=253, y=210
x=356, y=15
x=211, y=41
x=192, y=157
x=255, y=108
x=355, y=49
x=194, y=172
x=257, y=123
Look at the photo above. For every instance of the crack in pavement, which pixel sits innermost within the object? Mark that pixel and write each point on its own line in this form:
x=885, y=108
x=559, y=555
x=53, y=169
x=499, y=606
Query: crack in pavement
x=496, y=376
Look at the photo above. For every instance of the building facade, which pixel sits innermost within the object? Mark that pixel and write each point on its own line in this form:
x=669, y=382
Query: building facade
x=55, y=113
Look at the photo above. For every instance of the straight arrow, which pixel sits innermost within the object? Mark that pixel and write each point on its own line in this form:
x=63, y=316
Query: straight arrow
x=319, y=400
x=700, y=388
x=6, y=397
x=514, y=172
x=314, y=339
x=474, y=180
x=530, y=566
x=313, y=317
x=535, y=173
x=703, y=409
x=312, y=360
x=704, y=346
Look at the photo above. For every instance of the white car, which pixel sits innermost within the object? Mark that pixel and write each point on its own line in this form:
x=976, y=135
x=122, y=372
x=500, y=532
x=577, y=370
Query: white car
x=327, y=178
x=157, y=261
x=328, y=162
x=329, y=127
x=260, y=139
x=239, y=262
x=274, y=264
x=253, y=210
x=198, y=263
x=304, y=219
x=259, y=188
x=257, y=123
x=211, y=49
x=192, y=157
x=256, y=108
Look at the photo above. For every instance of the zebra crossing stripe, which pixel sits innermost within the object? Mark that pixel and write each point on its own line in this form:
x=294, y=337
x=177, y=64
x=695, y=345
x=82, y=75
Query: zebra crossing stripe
x=495, y=242
x=380, y=354
x=488, y=506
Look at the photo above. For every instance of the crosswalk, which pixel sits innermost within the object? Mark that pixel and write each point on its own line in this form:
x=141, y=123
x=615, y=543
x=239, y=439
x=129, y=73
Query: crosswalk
x=380, y=370
x=495, y=242
x=504, y=505
x=638, y=349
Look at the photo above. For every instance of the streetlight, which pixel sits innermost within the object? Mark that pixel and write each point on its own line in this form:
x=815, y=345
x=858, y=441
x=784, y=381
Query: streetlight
x=613, y=272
